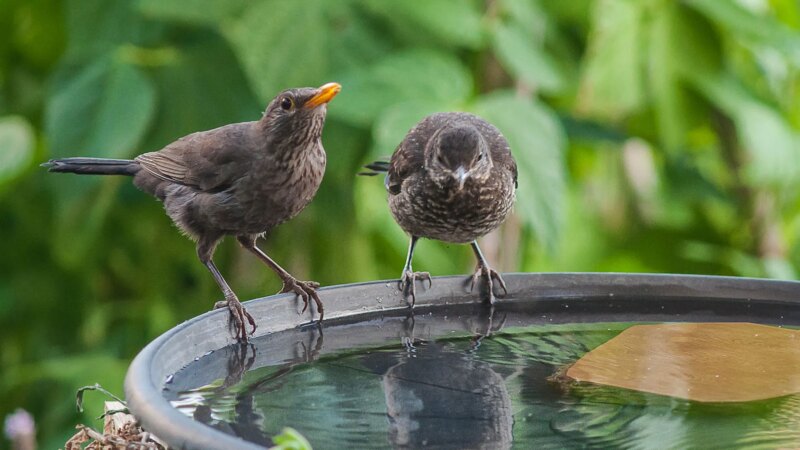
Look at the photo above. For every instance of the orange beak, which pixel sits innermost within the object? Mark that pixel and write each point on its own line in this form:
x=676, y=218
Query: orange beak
x=325, y=94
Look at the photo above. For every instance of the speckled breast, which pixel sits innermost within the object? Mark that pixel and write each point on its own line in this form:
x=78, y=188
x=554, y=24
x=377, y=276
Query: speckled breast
x=452, y=215
x=286, y=194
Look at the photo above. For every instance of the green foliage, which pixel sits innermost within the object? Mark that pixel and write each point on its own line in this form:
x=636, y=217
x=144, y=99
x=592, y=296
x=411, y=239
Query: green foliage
x=650, y=135
x=535, y=133
x=17, y=142
x=290, y=439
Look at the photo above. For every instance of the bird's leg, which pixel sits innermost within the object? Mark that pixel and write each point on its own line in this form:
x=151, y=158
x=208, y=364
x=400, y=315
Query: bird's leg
x=238, y=312
x=409, y=277
x=488, y=274
x=306, y=290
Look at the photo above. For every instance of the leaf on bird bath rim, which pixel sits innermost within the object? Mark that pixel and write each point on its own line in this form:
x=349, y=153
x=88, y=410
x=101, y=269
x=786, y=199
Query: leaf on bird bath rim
x=703, y=362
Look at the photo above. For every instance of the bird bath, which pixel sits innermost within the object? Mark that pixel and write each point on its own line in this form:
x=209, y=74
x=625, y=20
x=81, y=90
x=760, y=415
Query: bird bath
x=455, y=373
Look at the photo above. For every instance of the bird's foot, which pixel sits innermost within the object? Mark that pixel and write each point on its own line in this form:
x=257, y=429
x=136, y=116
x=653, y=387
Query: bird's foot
x=408, y=284
x=306, y=290
x=239, y=315
x=489, y=275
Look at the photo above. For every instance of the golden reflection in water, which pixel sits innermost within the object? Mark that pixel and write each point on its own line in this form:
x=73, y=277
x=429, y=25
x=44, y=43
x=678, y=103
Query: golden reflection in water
x=704, y=362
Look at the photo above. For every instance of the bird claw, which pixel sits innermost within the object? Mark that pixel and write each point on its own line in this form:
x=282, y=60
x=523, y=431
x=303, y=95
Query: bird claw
x=489, y=275
x=239, y=315
x=408, y=283
x=307, y=291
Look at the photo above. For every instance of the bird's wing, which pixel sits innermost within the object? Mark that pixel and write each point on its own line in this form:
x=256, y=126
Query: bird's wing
x=501, y=155
x=512, y=167
x=406, y=160
x=208, y=161
x=409, y=157
x=164, y=165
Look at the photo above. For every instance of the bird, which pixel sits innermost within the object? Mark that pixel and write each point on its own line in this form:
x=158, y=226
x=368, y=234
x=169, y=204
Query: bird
x=453, y=179
x=240, y=180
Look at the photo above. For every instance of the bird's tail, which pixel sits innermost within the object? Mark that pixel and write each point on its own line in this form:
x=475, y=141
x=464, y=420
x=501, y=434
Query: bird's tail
x=93, y=166
x=375, y=168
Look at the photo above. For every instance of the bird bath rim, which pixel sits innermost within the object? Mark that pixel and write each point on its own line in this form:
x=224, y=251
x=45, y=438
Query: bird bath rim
x=149, y=372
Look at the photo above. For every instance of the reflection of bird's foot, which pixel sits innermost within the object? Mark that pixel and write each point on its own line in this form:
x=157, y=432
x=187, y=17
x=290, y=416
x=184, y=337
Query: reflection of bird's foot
x=240, y=360
x=239, y=315
x=306, y=290
x=489, y=275
x=408, y=284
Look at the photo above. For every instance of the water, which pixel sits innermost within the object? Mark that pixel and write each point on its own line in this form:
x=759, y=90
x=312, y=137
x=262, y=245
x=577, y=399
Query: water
x=455, y=381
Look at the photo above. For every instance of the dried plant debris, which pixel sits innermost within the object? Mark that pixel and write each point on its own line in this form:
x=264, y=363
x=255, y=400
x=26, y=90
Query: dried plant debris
x=120, y=431
x=129, y=436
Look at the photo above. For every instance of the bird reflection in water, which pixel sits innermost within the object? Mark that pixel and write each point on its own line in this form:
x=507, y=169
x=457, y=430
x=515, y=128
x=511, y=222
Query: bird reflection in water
x=426, y=393
x=440, y=398
x=248, y=420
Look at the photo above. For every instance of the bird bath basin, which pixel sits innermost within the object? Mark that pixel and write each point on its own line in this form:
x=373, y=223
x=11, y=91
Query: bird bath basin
x=455, y=373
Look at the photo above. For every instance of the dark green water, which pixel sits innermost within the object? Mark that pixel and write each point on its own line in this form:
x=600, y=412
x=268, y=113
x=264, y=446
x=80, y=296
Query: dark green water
x=428, y=386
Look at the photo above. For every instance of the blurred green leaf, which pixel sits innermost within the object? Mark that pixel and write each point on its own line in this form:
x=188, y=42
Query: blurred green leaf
x=282, y=44
x=395, y=122
x=529, y=14
x=60, y=377
x=201, y=88
x=611, y=84
x=672, y=61
x=354, y=40
x=436, y=78
x=748, y=25
x=453, y=22
x=290, y=439
x=36, y=29
x=537, y=143
x=115, y=102
x=95, y=27
x=525, y=58
x=209, y=12
x=17, y=143
x=780, y=269
x=772, y=146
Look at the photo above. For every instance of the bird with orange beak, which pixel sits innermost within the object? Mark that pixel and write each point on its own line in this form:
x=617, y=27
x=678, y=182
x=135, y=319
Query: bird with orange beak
x=241, y=180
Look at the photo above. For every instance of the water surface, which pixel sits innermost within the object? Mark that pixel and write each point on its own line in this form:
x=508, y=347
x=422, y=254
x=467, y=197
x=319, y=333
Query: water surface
x=466, y=380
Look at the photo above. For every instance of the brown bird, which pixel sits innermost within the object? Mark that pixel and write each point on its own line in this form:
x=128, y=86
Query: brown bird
x=453, y=179
x=242, y=179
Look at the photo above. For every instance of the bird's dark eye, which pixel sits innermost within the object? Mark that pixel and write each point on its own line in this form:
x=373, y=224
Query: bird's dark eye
x=286, y=103
x=480, y=156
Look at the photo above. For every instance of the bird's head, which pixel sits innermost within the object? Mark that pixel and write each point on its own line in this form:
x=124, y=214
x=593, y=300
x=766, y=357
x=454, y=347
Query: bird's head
x=458, y=154
x=297, y=115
